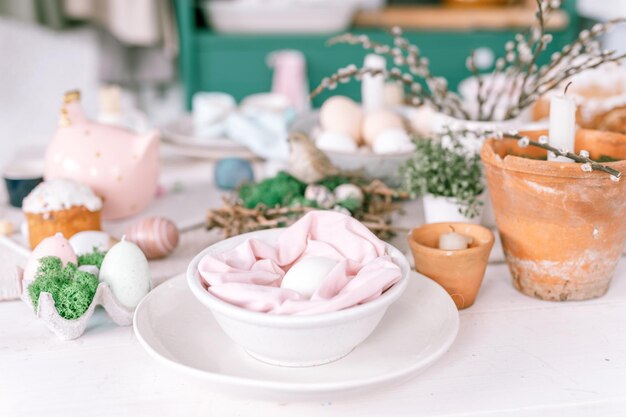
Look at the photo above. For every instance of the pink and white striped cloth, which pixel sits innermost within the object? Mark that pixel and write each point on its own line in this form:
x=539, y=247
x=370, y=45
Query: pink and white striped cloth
x=249, y=275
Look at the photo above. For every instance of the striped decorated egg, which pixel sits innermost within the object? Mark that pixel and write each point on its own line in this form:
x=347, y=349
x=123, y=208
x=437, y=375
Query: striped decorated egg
x=156, y=236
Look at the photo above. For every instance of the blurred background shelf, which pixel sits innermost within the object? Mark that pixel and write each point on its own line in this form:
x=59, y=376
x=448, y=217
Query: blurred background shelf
x=211, y=61
x=456, y=18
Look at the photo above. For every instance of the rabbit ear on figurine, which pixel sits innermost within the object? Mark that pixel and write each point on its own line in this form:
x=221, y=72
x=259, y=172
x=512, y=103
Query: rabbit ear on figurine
x=71, y=110
x=120, y=166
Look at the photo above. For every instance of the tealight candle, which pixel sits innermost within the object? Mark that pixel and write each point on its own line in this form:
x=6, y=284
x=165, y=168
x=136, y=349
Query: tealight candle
x=454, y=241
x=562, y=129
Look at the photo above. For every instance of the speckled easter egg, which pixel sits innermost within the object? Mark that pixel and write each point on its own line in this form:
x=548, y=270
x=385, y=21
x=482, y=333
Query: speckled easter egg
x=341, y=114
x=321, y=195
x=230, y=173
x=156, y=236
x=349, y=192
x=56, y=245
x=125, y=270
x=377, y=122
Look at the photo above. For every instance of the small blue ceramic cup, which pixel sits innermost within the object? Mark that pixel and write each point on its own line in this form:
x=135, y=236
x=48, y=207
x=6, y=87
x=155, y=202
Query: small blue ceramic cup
x=20, y=177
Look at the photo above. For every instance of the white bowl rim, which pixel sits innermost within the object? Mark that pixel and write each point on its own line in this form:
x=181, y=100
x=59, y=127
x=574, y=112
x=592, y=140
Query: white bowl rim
x=290, y=321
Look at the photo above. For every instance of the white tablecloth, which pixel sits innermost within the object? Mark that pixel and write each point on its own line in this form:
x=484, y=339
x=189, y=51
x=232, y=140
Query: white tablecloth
x=514, y=356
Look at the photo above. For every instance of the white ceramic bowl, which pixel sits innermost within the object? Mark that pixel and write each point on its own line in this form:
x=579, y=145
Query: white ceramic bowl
x=304, y=340
x=372, y=165
x=279, y=16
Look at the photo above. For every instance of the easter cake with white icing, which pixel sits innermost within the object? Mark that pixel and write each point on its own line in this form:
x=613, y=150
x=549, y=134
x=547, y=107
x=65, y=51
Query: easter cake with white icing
x=61, y=206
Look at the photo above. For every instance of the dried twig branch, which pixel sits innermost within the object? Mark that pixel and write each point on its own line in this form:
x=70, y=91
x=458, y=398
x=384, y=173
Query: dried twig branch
x=233, y=218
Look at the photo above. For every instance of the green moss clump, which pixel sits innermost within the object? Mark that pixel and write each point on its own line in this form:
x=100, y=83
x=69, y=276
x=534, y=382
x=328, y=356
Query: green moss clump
x=93, y=258
x=279, y=190
x=350, y=204
x=72, y=290
x=286, y=191
x=333, y=182
x=300, y=201
x=606, y=158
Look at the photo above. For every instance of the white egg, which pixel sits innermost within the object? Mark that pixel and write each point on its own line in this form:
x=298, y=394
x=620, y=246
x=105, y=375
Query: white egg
x=393, y=141
x=349, y=192
x=422, y=120
x=92, y=269
x=320, y=194
x=394, y=94
x=342, y=114
x=306, y=275
x=125, y=269
x=336, y=141
x=377, y=122
x=87, y=241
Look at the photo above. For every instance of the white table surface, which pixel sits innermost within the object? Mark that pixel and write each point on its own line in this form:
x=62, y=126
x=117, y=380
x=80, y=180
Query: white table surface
x=514, y=356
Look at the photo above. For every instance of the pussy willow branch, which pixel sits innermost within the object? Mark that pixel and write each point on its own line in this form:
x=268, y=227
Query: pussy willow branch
x=581, y=159
x=534, y=40
x=522, y=83
x=524, y=141
x=415, y=90
x=471, y=65
x=404, y=53
x=539, y=45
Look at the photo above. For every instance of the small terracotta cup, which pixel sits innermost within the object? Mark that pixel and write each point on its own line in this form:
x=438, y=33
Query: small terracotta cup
x=459, y=272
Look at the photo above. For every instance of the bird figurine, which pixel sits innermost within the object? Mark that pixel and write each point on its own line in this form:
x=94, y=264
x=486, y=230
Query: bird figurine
x=306, y=162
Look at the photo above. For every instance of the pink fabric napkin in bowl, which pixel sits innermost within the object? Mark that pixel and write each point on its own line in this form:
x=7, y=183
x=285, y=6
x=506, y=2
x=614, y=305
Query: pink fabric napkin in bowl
x=249, y=275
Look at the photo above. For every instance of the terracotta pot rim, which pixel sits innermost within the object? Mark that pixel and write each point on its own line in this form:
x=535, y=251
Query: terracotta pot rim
x=442, y=252
x=548, y=168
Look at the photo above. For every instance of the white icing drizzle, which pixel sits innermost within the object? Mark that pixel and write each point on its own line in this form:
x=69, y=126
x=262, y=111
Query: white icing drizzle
x=60, y=194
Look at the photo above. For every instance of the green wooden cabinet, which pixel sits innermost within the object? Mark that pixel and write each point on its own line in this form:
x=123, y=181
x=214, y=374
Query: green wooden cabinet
x=237, y=63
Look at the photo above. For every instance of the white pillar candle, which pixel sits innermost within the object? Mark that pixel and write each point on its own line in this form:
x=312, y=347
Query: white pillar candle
x=454, y=241
x=562, y=125
x=373, y=86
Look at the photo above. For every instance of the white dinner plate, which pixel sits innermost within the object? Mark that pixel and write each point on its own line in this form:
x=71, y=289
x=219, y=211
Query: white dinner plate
x=181, y=137
x=179, y=332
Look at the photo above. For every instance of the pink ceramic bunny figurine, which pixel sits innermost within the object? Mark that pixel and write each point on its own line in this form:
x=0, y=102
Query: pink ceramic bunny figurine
x=120, y=166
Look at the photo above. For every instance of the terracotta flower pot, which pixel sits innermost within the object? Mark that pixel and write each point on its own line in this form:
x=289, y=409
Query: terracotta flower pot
x=459, y=272
x=562, y=229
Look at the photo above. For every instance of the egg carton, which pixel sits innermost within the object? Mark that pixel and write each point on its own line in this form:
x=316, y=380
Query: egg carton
x=72, y=329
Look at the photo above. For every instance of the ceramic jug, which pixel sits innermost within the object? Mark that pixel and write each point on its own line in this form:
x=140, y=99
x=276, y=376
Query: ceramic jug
x=120, y=166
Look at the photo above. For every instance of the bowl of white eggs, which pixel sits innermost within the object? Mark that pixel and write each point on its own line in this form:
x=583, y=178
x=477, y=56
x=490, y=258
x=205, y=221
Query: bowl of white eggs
x=295, y=340
x=375, y=142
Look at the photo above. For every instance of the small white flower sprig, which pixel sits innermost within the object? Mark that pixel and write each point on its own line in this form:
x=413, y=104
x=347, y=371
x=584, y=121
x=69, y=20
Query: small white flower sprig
x=524, y=81
x=543, y=142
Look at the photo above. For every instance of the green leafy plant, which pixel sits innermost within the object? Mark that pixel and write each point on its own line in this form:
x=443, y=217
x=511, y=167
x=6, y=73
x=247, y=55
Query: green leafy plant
x=72, y=289
x=443, y=167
